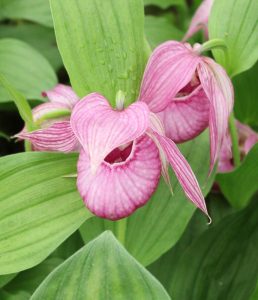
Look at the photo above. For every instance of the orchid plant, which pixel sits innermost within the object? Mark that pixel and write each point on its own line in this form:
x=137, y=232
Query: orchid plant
x=115, y=137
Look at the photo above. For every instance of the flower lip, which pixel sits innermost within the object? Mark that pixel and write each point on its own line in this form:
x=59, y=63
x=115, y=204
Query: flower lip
x=120, y=155
x=192, y=88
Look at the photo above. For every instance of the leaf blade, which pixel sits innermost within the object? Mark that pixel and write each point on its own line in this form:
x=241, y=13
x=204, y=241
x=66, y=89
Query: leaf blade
x=116, y=271
x=39, y=209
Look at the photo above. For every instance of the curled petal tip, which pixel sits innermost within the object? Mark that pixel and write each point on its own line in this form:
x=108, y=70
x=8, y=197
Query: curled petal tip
x=209, y=219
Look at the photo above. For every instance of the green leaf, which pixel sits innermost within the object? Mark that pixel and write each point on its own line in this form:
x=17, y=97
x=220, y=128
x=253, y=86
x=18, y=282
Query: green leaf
x=30, y=34
x=222, y=263
x=26, y=69
x=160, y=29
x=164, y=269
x=102, y=45
x=236, y=22
x=30, y=279
x=246, y=95
x=69, y=247
x=39, y=208
x=4, y=136
x=21, y=295
x=164, y=3
x=4, y=279
x=37, y=11
x=101, y=270
x=21, y=103
x=255, y=293
x=156, y=227
x=239, y=185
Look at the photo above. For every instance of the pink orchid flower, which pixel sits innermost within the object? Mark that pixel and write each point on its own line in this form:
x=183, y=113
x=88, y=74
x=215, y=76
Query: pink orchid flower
x=247, y=139
x=123, y=153
x=189, y=93
x=200, y=20
x=54, y=116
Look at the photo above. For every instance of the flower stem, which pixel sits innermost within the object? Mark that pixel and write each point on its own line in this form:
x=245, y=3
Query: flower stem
x=27, y=146
x=234, y=138
x=212, y=44
x=121, y=230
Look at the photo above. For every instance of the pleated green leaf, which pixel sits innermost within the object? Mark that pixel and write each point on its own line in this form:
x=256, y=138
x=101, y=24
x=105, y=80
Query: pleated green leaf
x=239, y=185
x=101, y=270
x=156, y=227
x=246, y=95
x=39, y=208
x=25, y=68
x=29, y=280
x=164, y=3
x=160, y=29
x=20, y=102
x=235, y=21
x=222, y=263
x=164, y=269
x=4, y=279
x=37, y=11
x=102, y=45
x=30, y=34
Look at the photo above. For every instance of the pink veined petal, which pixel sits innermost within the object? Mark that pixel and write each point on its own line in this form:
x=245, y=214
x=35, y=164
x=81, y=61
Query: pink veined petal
x=100, y=129
x=157, y=125
x=57, y=137
x=183, y=171
x=225, y=158
x=170, y=67
x=250, y=142
x=117, y=190
x=185, y=118
x=62, y=94
x=219, y=91
x=200, y=19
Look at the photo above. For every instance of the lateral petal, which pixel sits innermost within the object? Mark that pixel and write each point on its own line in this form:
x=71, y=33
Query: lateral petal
x=116, y=191
x=187, y=117
x=57, y=137
x=183, y=171
x=62, y=94
x=170, y=67
x=100, y=129
x=200, y=19
x=219, y=91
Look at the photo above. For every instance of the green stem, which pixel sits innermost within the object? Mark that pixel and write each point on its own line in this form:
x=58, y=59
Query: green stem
x=121, y=230
x=234, y=139
x=212, y=44
x=54, y=115
x=27, y=146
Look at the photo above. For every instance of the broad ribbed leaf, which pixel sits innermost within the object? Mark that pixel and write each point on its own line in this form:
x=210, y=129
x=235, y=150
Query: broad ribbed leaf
x=37, y=11
x=164, y=269
x=156, y=227
x=235, y=21
x=164, y=3
x=246, y=96
x=239, y=185
x=4, y=279
x=30, y=34
x=102, y=45
x=101, y=270
x=39, y=208
x=21, y=295
x=222, y=263
x=255, y=293
x=25, y=68
x=159, y=30
x=20, y=102
x=29, y=280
